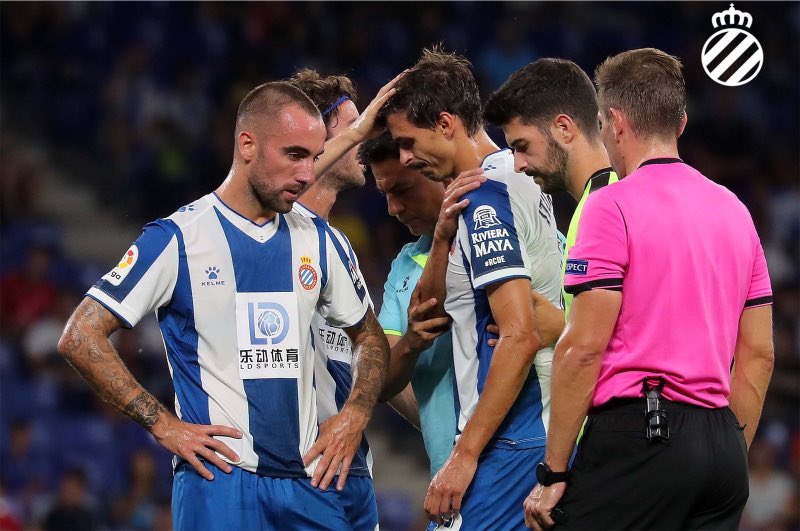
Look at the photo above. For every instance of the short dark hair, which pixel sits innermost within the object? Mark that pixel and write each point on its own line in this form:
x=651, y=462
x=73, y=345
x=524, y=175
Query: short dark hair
x=439, y=82
x=378, y=149
x=648, y=86
x=324, y=91
x=267, y=100
x=540, y=91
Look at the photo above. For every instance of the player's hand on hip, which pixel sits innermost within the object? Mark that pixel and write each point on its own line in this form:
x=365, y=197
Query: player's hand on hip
x=422, y=331
x=452, y=205
x=192, y=441
x=539, y=504
x=365, y=125
x=338, y=440
x=448, y=486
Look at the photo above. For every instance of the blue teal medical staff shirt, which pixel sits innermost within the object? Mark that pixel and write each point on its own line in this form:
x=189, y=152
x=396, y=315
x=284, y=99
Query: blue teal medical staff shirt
x=433, y=378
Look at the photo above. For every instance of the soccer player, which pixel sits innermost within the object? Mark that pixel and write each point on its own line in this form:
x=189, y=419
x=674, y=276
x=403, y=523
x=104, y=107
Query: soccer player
x=548, y=113
x=421, y=349
x=335, y=97
x=655, y=324
x=506, y=243
x=234, y=278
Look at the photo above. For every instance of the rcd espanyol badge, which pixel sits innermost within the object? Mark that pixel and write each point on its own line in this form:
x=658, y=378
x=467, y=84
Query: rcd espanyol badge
x=732, y=56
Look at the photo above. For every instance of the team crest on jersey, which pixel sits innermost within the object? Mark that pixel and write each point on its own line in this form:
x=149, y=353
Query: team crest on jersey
x=485, y=217
x=307, y=274
x=118, y=274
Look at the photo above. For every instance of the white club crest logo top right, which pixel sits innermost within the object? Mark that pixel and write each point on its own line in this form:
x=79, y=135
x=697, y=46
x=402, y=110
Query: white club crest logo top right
x=732, y=56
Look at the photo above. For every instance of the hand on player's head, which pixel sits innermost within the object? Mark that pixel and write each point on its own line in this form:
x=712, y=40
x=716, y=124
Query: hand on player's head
x=367, y=125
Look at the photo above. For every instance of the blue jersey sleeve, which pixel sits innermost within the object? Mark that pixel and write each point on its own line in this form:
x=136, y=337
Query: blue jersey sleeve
x=490, y=237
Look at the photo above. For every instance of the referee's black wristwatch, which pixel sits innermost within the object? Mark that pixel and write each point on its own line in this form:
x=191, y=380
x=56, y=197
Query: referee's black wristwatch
x=546, y=477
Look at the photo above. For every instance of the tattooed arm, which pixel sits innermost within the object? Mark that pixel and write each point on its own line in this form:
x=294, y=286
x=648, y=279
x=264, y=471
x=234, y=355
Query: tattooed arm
x=340, y=435
x=86, y=346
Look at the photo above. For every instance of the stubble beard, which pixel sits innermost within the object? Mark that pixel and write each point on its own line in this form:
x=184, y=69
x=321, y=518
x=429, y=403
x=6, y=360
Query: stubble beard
x=555, y=177
x=268, y=198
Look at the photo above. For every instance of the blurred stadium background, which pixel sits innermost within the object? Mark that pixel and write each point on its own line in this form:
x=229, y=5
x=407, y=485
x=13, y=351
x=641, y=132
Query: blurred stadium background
x=116, y=113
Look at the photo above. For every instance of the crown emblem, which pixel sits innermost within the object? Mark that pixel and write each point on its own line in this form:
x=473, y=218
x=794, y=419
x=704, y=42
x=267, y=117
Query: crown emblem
x=729, y=18
x=305, y=259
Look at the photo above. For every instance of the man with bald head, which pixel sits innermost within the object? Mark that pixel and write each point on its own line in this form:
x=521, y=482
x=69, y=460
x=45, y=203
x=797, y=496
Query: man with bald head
x=234, y=278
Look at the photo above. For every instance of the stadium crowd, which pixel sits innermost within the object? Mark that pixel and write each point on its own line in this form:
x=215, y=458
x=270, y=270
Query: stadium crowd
x=135, y=102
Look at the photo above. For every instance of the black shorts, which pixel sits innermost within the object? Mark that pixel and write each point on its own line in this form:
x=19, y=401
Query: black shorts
x=695, y=480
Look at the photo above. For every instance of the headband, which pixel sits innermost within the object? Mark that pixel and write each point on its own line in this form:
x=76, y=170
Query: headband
x=336, y=103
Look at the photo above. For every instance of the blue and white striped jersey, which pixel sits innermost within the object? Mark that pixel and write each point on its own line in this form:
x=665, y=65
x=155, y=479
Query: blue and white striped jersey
x=507, y=231
x=235, y=301
x=333, y=375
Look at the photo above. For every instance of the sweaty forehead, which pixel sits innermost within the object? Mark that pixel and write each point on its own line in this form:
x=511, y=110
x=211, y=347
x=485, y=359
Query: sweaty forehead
x=296, y=126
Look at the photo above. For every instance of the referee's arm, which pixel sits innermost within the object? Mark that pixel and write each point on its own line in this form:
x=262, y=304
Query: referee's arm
x=576, y=366
x=754, y=357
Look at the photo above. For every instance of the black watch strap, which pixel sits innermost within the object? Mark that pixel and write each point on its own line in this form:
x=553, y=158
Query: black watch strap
x=546, y=477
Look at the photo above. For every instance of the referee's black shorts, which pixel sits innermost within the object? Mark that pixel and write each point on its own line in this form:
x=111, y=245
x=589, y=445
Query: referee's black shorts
x=695, y=480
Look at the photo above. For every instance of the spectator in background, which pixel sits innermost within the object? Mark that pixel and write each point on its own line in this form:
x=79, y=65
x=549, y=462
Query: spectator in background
x=9, y=518
x=26, y=293
x=137, y=507
x=773, y=494
x=72, y=509
x=23, y=467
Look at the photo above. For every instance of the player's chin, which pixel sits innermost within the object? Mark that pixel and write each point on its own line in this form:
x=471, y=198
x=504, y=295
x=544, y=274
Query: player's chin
x=284, y=206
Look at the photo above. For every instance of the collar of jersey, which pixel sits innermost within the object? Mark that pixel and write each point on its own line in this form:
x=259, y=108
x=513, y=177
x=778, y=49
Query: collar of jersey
x=260, y=233
x=421, y=247
x=492, y=154
x=598, y=173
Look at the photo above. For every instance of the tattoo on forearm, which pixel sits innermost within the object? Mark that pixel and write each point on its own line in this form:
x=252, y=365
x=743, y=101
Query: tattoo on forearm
x=370, y=359
x=86, y=347
x=144, y=409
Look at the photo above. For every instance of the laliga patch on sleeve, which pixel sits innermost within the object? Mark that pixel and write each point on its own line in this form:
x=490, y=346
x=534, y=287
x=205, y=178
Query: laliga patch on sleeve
x=576, y=267
x=118, y=274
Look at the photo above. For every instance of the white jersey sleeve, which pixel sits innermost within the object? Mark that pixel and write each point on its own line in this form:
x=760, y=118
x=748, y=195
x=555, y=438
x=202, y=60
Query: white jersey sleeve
x=344, y=299
x=145, y=277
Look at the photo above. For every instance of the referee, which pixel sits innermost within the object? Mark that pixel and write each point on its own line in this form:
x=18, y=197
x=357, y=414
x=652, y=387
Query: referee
x=670, y=286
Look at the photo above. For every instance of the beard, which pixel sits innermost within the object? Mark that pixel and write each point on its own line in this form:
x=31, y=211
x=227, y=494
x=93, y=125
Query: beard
x=270, y=198
x=347, y=173
x=554, y=173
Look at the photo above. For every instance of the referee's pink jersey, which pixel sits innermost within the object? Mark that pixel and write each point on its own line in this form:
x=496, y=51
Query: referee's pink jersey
x=686, y=256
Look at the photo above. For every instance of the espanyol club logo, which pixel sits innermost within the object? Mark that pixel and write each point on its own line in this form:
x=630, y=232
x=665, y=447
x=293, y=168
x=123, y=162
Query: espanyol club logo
x=732, y=56
x=307, y=274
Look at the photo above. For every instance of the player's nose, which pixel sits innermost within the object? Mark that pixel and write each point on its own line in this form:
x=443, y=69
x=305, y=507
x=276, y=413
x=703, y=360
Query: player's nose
x=306, y=174
x=519, y=163
x=406, y=157
x=394, y=206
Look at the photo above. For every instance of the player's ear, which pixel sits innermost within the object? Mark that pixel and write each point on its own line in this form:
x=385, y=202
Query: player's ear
x=563, y=128
x=445, y=123
x=246, y=144
x=618, y=122
x=684, y=119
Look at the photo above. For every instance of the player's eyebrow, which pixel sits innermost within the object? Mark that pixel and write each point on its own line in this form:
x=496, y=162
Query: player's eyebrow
x=514, y=144
x=300, y=150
